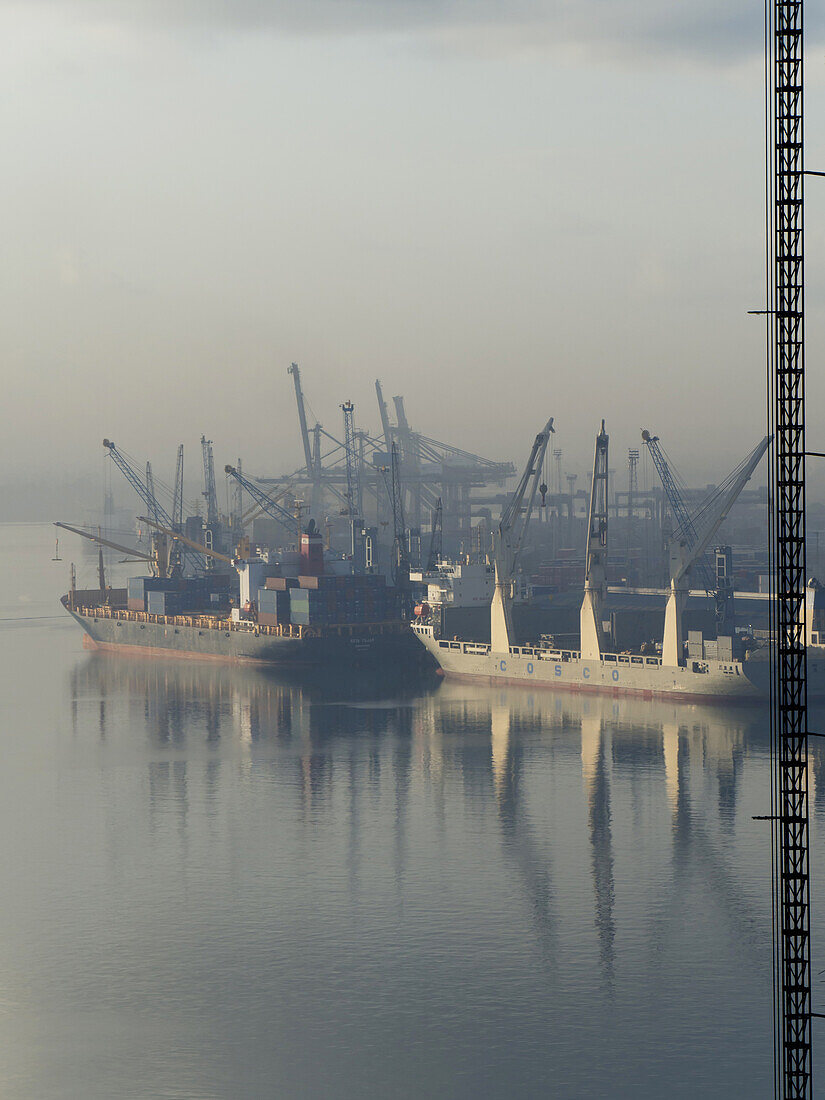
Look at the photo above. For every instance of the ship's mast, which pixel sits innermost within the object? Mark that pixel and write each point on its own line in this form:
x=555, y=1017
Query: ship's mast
x=509, y=538
x=595, y=571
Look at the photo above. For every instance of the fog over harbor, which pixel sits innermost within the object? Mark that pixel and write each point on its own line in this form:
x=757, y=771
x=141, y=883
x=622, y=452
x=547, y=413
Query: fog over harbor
x=412, y=577
x=496, y=209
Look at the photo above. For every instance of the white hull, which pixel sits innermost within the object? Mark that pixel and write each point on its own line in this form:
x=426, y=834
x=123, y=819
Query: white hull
x=615, y=673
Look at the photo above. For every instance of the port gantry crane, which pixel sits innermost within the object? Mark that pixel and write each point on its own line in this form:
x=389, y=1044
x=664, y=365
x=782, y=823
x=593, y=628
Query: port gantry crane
x=266, y=503
x=177, y=493
x=691, y=539
x=355, y=504
x=434, y=555
x=508, y=542
x=595, y=571
x=429, y=469
x=400, y=552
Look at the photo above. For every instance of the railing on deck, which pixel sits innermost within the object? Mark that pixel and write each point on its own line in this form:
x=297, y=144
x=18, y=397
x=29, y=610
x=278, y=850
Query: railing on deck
x=210, y=622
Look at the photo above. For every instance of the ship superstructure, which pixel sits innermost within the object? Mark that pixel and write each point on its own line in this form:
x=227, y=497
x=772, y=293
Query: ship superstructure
x=296, y=608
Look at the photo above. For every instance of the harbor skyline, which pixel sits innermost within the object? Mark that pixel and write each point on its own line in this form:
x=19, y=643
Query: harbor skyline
x=429, y=200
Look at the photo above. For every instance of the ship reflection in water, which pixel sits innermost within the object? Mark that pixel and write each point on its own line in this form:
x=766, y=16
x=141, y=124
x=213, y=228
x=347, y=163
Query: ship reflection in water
x=428, y=888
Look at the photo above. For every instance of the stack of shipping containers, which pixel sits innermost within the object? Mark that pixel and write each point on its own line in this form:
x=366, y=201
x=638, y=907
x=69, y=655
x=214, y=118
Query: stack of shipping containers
x=327, y=601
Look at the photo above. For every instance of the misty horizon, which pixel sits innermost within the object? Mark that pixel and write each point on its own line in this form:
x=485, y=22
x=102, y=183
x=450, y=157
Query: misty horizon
x=485, y=207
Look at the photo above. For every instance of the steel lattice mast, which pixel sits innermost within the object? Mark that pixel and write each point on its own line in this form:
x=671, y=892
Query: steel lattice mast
x=786, y=376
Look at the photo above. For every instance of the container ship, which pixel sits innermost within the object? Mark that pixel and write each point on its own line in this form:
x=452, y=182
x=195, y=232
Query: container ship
x=692, y=668
x=294, y=609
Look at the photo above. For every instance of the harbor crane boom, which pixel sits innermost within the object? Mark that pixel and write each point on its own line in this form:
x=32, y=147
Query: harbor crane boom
x=150, y=486
x=266, y=503
x=509, y=538
x=676, y=501
x=100, y=541
x=135, y=480
x=145, y=490
x=690, y=540
x=191, y=543
x=386, y=428
x=302, y=416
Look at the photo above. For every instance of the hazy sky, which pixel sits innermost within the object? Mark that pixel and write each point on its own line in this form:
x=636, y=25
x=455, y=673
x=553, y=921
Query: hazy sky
x=504, y=210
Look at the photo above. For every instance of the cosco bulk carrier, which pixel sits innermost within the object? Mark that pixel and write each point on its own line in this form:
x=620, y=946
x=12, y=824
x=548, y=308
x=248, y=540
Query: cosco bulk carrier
x=685, y=668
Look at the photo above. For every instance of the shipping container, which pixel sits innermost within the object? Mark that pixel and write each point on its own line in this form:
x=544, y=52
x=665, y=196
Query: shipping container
x=281, y=584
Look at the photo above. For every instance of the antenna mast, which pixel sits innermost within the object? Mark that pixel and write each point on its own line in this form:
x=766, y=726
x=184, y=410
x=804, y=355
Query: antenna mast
x=786, y=413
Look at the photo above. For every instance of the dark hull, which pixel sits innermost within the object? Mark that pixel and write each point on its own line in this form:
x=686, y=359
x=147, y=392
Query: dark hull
x=365, y=647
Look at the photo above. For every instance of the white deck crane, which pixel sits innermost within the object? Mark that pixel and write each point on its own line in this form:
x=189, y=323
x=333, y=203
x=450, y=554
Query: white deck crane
x=509, y=540
x=595, y=571
x=689, y=542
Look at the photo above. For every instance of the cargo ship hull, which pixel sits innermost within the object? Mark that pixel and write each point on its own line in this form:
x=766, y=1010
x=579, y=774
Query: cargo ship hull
x=618, y=674
x=207, y=639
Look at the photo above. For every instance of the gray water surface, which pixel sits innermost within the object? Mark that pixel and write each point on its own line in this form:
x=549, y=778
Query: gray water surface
x=220, y=883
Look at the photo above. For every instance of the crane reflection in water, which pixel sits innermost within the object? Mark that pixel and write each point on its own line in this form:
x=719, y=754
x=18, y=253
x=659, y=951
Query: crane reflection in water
x=601, y=814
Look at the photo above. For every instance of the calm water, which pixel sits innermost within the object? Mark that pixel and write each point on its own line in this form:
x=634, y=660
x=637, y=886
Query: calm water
x=220, y=884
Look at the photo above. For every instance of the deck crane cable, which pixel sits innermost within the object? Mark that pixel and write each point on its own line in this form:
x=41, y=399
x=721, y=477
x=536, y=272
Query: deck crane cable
x=144, y=490
x=509, y=537
x=699, y=517
x=163, y=490
x=207, y=551
x=272, y=509
x=674, y=487
x=136, y=463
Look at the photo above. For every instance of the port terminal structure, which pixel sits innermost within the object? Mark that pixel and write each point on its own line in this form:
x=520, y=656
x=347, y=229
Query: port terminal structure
x=342, y=474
